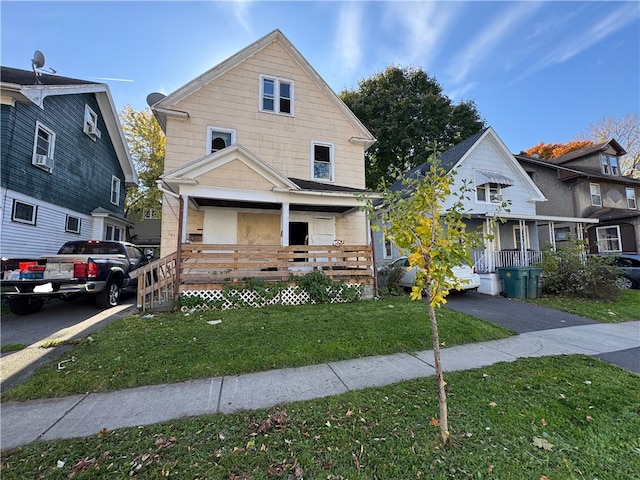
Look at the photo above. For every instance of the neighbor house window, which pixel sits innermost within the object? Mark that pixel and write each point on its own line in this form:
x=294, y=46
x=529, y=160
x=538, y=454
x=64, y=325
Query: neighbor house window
x=489, y=193
x=90, y=125
x=24, y=212
x=43, y=147
x=72, y=224
x=219, y=138
x=596, y=197
x=609, y=165
x=388, y=249
x=631, y=199
x=113, y=233
x=608, y=239
x=115, y=190
x=322, y=158
x=276, y=95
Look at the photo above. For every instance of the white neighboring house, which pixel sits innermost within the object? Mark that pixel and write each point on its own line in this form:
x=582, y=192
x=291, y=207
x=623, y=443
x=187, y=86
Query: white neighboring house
x=496, y=176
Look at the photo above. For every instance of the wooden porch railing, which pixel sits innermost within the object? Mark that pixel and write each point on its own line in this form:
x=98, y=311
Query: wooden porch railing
x=504, y=258
x=209, y=267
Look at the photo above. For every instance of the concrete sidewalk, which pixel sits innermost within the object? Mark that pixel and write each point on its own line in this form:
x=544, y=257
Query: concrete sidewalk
x=84, y=415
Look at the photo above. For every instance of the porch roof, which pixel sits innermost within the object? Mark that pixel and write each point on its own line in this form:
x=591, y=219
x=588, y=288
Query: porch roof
x=543, y=218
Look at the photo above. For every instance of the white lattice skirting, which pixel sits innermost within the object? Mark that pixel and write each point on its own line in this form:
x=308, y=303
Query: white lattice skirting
x=225, y=300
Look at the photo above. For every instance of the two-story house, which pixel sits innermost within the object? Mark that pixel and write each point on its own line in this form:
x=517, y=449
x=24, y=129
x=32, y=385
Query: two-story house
x=64, y=166
x=261, y=152
x=588, y=183
x=484, y=163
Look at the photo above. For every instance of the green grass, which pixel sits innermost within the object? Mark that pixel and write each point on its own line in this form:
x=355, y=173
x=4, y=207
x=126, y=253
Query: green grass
x=583, y=410
x=12, y=347
x=625, y=309
x=135, y=351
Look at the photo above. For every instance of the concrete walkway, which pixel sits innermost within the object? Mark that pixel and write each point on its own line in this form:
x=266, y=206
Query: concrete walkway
x=84, y=415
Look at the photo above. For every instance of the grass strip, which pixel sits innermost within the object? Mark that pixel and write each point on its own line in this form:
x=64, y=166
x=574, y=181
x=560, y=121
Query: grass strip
x=625, y=309
x=565, y=417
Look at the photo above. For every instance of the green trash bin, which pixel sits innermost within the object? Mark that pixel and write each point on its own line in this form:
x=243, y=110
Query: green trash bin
x=533, y=288
x=515, y=281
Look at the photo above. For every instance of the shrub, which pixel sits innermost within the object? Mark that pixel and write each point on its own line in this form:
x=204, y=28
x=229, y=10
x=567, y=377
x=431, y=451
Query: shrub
x=570, y=272
x=388, y=278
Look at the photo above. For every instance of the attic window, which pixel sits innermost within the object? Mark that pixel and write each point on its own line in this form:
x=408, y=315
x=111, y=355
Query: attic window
x=489, y=193
x=219, y=138
x=90, y=125
x=276, y=95
x=609, y=165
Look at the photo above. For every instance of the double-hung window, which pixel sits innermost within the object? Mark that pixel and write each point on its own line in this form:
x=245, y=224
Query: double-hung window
x=609, y=165
x=631, y=198
x=489, y=193
x=276, y=95
x=43, y=147
x=115, y=190
x=90, y=125
x=322, y=161
x=596, y=197
x=72, y=224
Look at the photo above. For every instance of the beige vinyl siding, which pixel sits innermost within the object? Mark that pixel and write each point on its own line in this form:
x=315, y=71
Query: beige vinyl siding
x=237, y=174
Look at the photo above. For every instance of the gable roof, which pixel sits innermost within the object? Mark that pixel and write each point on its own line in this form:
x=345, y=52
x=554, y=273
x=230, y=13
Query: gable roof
x=588, y=150
x=164, y=107
x=457, y=154
x=25, y=86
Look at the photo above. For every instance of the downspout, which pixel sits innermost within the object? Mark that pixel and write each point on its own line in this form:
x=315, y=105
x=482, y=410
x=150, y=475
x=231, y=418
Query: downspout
x=176, y=285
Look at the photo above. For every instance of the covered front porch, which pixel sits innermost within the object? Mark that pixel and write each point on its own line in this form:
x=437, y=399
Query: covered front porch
x=518, y=241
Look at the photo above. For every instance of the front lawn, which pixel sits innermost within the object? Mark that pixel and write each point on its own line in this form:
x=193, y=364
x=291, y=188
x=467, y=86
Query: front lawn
x=138, y=350
x=625, y=309
x=568, y=417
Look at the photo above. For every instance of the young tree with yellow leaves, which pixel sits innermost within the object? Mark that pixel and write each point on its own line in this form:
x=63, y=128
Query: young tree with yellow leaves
x=425, y=219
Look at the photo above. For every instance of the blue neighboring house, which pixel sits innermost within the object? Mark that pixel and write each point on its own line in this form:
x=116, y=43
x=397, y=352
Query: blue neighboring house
x=65, y=163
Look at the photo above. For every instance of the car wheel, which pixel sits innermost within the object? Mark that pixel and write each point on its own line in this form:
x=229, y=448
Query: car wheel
x=25, y=305
x=624, y=283
x=110, y=296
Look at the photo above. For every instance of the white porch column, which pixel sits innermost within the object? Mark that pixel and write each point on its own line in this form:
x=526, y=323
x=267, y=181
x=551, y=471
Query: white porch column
x=488, y=247
x=284, y=224
x=185, y=210
x=523, y=243
x=552, y=235
x=580, y=232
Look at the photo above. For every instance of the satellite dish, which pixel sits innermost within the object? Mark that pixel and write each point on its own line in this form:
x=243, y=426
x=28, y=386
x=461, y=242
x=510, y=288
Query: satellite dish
x=154, y=98
x=38, y=59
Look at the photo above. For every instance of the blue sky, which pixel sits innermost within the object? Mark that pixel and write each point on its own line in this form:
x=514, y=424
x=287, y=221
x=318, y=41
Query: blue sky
x=538, y=71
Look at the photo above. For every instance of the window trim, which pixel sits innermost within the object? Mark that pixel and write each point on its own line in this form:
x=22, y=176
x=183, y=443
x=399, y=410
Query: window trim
x=487, y=188
x=51, y=146
x=113, y=228
x=387, y=249
x=600, y=241
x=630, y=193
x=70, y=230
x=90, y=123
x=211, y=129
x=331, y=178
x=607, y=167
x=277, y=81
x=34, y=212
x=592, y=194
x=115, y=189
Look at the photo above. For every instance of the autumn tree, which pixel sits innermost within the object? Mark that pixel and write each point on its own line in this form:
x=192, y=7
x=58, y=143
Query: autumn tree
x=406, y=111
x=626, y=131
x=553, y=150
x=146, y=143
x=425, y=219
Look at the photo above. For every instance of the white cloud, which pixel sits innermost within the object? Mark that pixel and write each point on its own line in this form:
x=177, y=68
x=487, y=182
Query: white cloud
x=348, y=36
x=241, y=12
x=488, y=40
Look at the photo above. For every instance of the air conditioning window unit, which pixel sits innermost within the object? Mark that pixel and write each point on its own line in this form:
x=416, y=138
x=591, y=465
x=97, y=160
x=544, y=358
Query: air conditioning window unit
x=92, y=129
x=44, y=162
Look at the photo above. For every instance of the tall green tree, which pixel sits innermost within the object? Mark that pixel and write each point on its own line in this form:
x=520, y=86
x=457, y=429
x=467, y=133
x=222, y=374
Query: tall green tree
x=425, y=219
x=405, y=109
x=146, y=142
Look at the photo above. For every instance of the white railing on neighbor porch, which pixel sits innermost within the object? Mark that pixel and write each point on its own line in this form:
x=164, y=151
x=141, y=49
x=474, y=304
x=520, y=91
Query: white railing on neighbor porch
x=488, y=262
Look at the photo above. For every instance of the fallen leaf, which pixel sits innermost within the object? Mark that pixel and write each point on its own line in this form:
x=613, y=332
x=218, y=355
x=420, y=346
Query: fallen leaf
x=490, y=469
x=542, y=443
x=589, y=418
x=435, y=422
x=543, y=422
x=493, y=404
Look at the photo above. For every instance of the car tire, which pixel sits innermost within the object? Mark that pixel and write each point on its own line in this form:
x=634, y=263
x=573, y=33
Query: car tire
x=110, y=296
x=25, y=305
x=624, y=283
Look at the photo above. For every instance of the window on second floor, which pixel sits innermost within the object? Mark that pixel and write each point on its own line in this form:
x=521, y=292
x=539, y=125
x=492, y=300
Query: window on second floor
x=219, y=138
x=276, y=95
x=596, y=197
x=115, y=190
x=90, y=124
x=322, y=161
x=489, y=193
x=43, y=147
x=631, y=198
x=609, y=164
